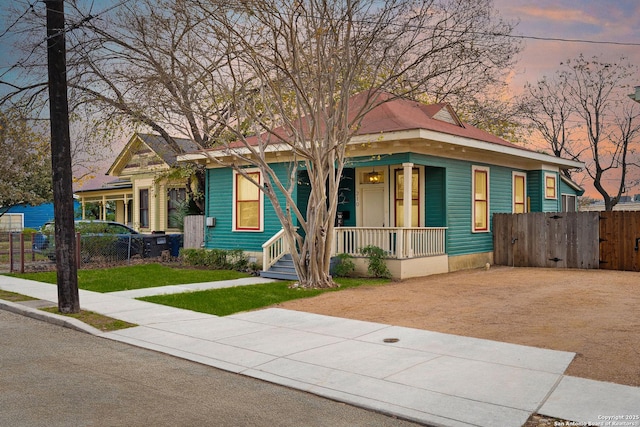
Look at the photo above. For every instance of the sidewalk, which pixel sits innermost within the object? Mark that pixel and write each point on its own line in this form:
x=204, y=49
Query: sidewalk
x=428, y=377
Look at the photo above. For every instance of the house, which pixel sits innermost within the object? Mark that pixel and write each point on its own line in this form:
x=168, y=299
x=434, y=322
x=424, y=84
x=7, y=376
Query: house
x=459, y=175
x=137, y=195
x=18, y=217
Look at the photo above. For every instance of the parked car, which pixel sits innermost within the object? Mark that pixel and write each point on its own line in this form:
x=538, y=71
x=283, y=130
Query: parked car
x=97, y=238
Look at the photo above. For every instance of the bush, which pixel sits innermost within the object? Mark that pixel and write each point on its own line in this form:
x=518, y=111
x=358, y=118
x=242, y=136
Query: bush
x=377, y=266
x=345, y=265
x=217, y=259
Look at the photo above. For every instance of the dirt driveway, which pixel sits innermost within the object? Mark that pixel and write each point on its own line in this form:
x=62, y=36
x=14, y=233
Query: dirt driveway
x=594, y=313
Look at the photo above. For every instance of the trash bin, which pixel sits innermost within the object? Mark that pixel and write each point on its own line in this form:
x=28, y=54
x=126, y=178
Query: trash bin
x=154, y=245
x=175, y=243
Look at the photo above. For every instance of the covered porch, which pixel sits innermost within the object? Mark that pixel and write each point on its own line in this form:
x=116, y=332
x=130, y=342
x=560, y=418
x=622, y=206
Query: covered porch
x=376, y=208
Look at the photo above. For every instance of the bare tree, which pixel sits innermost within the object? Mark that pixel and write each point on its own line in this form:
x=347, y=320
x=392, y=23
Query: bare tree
x=585, y=114
x=292, y=70
x=549, y=109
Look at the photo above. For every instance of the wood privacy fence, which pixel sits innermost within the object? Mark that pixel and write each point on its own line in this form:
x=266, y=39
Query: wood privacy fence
x=607, y=240
x=193, y=231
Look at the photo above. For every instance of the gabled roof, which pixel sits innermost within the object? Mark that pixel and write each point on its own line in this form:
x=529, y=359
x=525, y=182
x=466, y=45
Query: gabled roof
x=155, y=143
x=401, y=114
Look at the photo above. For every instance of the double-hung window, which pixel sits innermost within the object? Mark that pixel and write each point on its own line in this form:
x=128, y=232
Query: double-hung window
x=144, y=208
x=550, y=186
x=480, y=184
x=247, y=202
x=519, y=192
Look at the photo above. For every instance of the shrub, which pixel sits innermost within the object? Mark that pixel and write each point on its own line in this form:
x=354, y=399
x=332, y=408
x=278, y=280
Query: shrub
x=377, y=266
x=218, y=259
x=345, y=265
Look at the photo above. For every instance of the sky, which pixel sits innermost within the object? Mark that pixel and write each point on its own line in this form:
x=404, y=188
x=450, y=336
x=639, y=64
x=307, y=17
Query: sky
x=607, y=28
x=615, y=21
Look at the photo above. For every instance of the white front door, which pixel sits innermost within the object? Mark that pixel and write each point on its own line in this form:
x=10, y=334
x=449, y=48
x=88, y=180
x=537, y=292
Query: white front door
x=373, y=205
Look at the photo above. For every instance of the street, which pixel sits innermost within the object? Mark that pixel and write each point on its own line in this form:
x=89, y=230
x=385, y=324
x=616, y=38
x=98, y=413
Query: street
x=55, y=376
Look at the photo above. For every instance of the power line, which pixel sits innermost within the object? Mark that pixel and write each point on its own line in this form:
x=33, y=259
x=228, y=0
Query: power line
x=558, y=39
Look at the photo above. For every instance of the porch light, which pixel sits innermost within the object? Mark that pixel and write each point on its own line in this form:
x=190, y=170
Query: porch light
x=373, y=176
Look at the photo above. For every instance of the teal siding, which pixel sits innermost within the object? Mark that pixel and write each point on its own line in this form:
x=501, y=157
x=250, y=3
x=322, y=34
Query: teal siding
x=447, y=191
x=219, y=206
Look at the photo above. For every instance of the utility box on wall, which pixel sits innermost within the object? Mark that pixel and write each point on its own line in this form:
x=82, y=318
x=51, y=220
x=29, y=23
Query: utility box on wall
x=211, y=221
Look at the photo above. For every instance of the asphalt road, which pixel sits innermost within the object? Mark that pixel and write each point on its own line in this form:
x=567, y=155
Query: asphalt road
x=53, y=376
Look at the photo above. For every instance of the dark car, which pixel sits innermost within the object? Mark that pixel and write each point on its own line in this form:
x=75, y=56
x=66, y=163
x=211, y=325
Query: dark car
x=97, y=238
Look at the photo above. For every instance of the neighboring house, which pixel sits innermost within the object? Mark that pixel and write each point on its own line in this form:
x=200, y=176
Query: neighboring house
x=138, y=196
x=459, y=175
x=19, y=217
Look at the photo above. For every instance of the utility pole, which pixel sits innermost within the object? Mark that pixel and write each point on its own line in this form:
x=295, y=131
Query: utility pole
x=67, y=270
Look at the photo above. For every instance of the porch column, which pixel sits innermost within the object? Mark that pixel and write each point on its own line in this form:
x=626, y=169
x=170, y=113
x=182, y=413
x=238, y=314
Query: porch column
x=104, y=207
x=82, y=203
x=408, y=183
x=126, y=210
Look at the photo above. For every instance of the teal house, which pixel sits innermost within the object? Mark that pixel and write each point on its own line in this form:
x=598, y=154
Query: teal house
x=419, y=183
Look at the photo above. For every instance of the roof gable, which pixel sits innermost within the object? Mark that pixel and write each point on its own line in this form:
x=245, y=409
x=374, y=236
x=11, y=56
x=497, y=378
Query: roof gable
x=148, y=152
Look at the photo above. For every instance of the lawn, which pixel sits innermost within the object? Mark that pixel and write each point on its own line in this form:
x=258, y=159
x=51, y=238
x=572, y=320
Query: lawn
x=137, y=277
x=222, y=302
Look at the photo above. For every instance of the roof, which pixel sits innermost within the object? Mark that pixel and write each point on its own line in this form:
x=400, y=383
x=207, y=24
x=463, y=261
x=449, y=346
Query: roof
x=396, y=114
x=156, y=143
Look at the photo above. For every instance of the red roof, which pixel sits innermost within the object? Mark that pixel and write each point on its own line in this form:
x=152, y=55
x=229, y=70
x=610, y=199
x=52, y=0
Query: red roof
x=398, y=114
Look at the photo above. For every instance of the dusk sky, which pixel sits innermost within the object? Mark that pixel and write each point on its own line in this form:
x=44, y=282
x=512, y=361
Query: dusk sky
x=589, y=20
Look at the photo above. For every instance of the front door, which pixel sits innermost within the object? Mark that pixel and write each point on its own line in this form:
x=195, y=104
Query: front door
x=373, y=205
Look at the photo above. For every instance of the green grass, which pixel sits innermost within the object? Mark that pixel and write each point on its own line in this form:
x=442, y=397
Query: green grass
x=136, y=277
x=222, y=302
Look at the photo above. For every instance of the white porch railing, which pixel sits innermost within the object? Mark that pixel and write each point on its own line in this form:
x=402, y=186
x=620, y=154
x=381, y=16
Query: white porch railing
x=399, y=243
x=274, y=249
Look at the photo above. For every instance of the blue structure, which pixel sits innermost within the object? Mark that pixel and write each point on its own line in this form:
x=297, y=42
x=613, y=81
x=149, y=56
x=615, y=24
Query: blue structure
x=35, y=216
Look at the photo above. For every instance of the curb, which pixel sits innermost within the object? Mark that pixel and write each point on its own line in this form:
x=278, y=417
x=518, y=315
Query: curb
x=56, y=319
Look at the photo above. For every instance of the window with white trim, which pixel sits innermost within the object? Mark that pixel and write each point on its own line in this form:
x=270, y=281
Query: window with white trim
x=569, y=203
x=480, y=202
x=144, y=207
x=247, y=202
x=550, y=184
x=519, y=192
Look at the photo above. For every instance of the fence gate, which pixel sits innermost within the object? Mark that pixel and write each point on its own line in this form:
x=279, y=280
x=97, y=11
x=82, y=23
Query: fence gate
x=620, y=240
x=539, y=239
x=193, y=231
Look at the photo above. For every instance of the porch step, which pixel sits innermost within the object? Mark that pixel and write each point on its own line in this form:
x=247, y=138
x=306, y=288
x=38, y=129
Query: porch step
x=283, y=269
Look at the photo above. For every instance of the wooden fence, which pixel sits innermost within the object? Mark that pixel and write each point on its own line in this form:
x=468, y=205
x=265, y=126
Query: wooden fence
x=193, y=231
x=607, y=240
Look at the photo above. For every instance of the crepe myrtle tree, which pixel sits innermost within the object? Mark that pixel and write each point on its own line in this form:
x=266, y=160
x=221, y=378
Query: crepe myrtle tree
x=292, y=70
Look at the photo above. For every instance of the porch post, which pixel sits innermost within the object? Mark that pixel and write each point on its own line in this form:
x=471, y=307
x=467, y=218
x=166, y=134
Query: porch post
x=82, y=202
x=407, y=205
x=126, y=209
x=104, y=208
x=408, y=170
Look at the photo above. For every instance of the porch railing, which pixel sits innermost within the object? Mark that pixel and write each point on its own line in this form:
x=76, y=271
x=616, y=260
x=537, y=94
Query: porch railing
x=397, y=242
x=274, y=249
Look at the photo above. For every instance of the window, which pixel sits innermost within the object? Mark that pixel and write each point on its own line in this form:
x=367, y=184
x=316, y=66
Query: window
x=480, y=199
x=549, y=186
x=399, y=198
x=248, y=203
x=144, y=208
x=175, y=200
x=569, y=203
x=519, y=193
x=11, y=222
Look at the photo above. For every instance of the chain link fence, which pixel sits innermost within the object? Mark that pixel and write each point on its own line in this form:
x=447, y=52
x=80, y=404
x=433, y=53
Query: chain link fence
x=36, y=252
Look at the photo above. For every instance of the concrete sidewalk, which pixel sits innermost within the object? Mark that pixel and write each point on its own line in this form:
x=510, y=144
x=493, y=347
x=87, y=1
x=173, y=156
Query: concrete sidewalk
x=428, y=377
